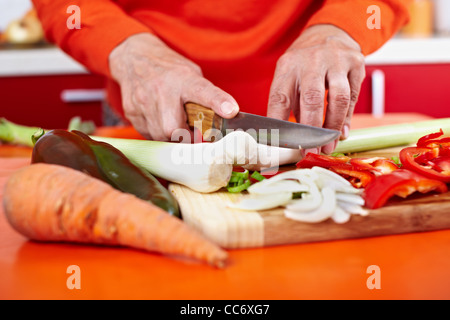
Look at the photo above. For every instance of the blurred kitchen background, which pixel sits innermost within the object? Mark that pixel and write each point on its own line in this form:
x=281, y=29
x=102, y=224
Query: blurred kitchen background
x=40, y=85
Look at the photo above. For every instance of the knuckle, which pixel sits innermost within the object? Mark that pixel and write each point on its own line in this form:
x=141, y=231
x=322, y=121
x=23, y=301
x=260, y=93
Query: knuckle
x=280, y=100
x=313, y=98
x=139, y=96
x=288, y=63
x=129, y=109
x=285, y=59
x=189, y=69
x=341, y=100
x=359, y=60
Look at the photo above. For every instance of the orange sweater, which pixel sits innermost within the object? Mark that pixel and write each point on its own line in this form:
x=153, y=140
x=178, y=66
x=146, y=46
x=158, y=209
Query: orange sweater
x=236, y=42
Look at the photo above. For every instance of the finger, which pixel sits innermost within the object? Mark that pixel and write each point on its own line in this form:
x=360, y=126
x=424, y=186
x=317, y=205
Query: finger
x=338, y=104
x=356, y=78
x=312, y=95
x=140, y=124
x=206, y=94
x=338, y=100
x=282, y=95
x=174, y=119
x=133, y=113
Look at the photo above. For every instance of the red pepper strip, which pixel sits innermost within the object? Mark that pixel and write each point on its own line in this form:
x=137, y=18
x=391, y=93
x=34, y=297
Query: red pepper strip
x=364, y=163
x=441, y=146
x=359, y=174
x=312, y=160
x=359, y=179
x=376, y=165
x=415, y=159
x=442, y=164
x=425, y=155
x=423, y=142
x=402, y=183
x=385, y=166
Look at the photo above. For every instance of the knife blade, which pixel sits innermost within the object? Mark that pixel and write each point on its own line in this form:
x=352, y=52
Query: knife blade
x=265, y=130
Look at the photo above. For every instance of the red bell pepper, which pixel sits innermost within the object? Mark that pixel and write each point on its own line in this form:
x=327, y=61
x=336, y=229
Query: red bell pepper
x=358, y=178
x=377, y=165
x=440, y=146
x=442, y=164
x=402, y=183
x=317, y=160
x=431, y=157
x=359, y=171
x=424, y=141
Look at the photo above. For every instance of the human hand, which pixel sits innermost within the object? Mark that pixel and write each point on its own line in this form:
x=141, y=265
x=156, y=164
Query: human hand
x=323, y=57
x=155, y=84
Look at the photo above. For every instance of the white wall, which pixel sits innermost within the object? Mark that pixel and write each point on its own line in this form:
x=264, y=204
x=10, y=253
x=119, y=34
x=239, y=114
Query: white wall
x=11, y=10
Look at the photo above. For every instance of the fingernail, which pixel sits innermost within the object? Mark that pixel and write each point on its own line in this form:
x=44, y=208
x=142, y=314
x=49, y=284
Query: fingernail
x=345, y=131
x=228, y=107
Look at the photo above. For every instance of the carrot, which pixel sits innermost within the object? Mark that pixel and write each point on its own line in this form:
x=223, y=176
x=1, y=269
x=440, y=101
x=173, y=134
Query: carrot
x=47, y=202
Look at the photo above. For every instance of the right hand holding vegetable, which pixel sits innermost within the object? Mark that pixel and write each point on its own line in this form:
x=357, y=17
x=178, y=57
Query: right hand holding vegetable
x=155, y=84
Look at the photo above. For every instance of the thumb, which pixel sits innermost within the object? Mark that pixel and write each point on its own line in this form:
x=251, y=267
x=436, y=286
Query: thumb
x=208, y=95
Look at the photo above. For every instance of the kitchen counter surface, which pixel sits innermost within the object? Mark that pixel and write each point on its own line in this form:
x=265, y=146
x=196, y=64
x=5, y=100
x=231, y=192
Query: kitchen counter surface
x=411, y=266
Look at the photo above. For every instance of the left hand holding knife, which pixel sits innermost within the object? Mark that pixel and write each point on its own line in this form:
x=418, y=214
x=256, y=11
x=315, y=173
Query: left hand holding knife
x=323, y=57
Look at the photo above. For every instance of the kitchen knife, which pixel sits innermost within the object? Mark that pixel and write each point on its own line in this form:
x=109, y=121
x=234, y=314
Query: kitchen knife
x=269, y=131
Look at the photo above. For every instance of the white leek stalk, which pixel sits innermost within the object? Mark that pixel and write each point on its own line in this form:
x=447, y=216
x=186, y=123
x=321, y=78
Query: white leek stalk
x=390, y=135
x=203, y=167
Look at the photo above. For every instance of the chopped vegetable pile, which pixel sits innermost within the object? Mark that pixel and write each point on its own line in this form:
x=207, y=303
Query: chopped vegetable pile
x=308, y=195
x=337, y=186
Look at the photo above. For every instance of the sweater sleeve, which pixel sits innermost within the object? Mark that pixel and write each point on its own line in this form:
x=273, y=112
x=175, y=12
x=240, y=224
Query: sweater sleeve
x=104, y=25
x=352, y=16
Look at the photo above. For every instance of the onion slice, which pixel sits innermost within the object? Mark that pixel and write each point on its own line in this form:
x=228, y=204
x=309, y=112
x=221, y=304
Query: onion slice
x=262, y=202
x=323, y=212
x=324, y=195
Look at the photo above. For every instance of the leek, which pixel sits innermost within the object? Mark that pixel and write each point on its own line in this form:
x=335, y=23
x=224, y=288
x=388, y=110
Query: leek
x=14, y=133
x=203, y=167
x=176, y=162
x=390, y=135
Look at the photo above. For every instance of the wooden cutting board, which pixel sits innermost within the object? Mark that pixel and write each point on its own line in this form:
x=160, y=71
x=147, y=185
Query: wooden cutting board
x=232, y=228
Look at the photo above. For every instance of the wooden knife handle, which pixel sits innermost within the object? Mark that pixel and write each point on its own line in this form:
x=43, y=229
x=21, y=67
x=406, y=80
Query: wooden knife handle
x=202, y=118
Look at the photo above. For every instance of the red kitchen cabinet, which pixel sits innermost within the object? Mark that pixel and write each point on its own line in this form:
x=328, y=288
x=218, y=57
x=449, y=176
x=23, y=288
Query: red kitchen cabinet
x=422, y=88
x=38, y=101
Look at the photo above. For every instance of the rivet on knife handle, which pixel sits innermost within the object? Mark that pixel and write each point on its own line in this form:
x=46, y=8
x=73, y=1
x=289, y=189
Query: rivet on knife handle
x=202, y=118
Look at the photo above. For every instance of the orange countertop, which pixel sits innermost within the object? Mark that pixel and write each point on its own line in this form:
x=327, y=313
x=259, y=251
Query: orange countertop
x=411, y=266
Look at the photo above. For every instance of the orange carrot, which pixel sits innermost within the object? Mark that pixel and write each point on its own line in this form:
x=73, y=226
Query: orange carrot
x=48, y=202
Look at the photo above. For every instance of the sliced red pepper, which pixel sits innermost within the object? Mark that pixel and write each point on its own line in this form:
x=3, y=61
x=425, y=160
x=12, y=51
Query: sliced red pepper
x=358, y=178
x=376, y=165
x=420, y=160
x=423, y=142
x=440, y=146
x=364, y=163
x=316, y=160
x=442, y=164
x=402, y=183
x=359, y=171
x=385, y=166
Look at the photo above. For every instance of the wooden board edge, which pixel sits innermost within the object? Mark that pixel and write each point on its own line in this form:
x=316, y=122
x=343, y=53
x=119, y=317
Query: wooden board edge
x=399, y=219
